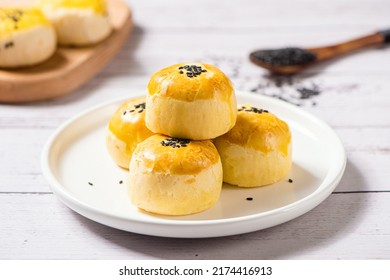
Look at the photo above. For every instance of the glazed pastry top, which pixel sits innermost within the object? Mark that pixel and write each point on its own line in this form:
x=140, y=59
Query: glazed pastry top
x=14, y=19
x=130, y=117
x=168, y=155
x=98, y=6
x=259, y=129
x=191, y=81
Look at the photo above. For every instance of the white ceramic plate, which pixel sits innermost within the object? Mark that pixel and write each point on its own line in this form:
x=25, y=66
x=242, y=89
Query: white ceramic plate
x=75, y=157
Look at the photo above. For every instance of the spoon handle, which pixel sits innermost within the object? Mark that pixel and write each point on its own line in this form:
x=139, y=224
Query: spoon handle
x=386, y=35
x=376, y=39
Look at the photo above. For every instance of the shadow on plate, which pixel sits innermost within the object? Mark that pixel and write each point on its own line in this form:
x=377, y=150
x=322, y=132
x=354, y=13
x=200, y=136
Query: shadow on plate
x=314, y=231
x=233, y=202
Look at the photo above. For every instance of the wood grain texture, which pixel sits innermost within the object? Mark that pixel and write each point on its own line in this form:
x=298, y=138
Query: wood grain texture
x=68, y=68
x=354, y=99
x=343, y=227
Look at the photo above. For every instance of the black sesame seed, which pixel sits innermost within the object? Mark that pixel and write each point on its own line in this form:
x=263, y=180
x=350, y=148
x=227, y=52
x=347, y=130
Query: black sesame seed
x=89, y=183
x=290, y=180
x=175, y=142
x=285, y=56
x=124, y=113
x=8, y=45
x=140, y=105
x=121, y=182
x=249, y=198
x=306, y=92
x=253, y=110
x=192, y=70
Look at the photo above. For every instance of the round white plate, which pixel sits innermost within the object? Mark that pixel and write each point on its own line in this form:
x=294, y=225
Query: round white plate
x=77, y=166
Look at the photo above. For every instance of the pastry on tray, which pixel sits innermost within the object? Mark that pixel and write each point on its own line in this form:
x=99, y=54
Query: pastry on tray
x=78, y=22
x=126, y=129
x=257, y=150
x=190, y=100
x=26, y=37
x=173, y=176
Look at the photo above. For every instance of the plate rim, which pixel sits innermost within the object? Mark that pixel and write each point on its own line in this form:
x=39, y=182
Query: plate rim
x=309, y=202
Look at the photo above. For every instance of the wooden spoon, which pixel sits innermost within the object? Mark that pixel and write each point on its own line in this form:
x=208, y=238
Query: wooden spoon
x=293, y=60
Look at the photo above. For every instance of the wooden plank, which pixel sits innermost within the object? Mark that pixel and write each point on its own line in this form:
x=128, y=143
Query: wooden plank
x=157, y=50
x=252, y=13
x=345, y=226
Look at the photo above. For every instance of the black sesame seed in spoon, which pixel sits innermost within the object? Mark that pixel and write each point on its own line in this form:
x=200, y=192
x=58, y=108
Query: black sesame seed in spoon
x=285, y=56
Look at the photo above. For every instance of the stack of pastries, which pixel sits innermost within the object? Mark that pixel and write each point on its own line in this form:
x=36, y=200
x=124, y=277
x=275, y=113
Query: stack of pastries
x=187, y=137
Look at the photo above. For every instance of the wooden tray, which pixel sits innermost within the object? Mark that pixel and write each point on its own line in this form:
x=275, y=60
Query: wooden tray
x=69, y=68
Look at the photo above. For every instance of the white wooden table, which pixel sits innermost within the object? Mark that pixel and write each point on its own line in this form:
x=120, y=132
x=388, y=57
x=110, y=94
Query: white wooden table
x=353, y=223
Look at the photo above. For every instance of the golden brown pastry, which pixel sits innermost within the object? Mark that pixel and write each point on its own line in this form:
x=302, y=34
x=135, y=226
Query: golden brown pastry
x=257, y=150
x=172, y=176
x=77, y=22
x=190, y=100
x=26, y=37
x=126, y=129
